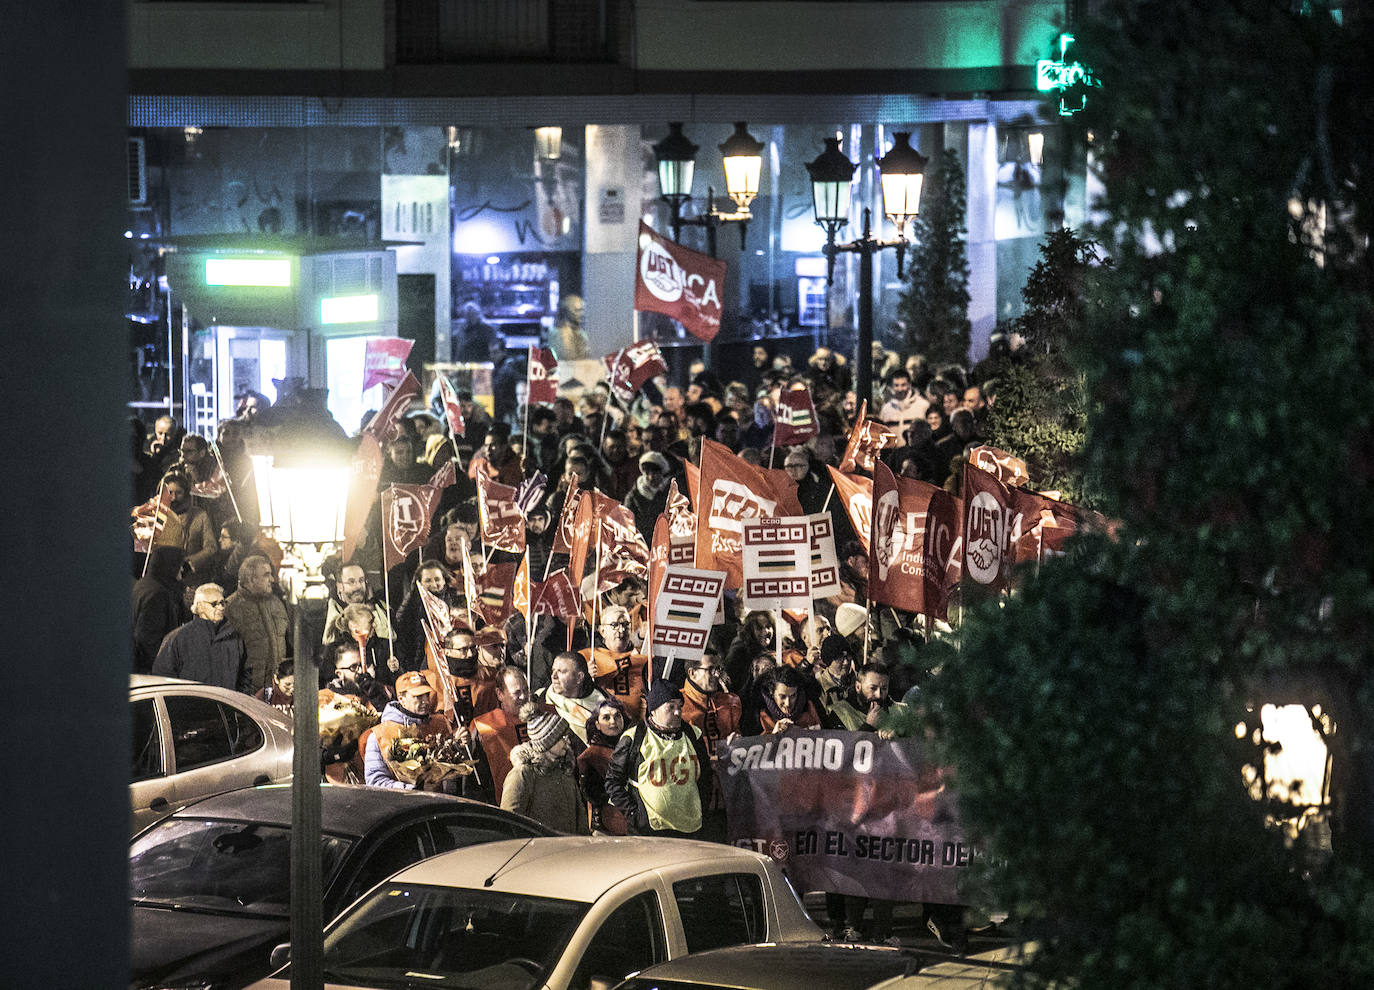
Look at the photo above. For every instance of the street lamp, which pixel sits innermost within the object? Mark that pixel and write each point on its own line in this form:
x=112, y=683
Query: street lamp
x=302, y=500
x=548, y=143
x=742, y=157
x=903, y=176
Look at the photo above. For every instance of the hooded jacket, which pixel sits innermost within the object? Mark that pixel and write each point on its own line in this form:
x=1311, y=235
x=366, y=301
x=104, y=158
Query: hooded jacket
x=205, y=651
x=544, y=789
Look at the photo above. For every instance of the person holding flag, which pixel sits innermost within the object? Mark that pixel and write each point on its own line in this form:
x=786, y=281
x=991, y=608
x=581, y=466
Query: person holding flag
x=616, y=667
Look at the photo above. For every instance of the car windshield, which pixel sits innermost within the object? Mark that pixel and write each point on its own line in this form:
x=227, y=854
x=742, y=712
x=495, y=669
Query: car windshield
x=197, y=864
x=405, y=935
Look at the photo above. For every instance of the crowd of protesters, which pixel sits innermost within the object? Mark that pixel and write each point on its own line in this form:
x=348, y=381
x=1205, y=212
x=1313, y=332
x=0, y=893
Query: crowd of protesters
x=564, y=722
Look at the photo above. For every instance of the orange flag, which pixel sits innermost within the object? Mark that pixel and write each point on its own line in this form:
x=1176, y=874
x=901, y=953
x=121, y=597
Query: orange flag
x=868, y=439
x=731, y=491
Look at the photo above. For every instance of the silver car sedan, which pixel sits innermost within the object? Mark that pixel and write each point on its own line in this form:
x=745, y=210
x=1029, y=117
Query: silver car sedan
x=191, y=740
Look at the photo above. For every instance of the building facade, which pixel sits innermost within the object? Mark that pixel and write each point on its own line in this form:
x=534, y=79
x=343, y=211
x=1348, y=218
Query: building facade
x=393, y=149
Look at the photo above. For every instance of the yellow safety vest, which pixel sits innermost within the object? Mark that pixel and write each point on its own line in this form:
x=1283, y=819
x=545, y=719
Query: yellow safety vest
x=667, y=780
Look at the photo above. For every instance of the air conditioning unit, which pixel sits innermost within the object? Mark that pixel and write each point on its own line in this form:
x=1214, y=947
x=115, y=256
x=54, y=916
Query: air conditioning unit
x=138, y=171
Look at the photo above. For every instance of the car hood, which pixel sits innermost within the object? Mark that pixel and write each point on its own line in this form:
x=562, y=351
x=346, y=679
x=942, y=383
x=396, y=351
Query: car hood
x=169, y=945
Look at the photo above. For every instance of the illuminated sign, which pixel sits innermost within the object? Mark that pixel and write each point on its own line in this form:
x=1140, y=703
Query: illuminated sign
x=248, y=271
x=1059, y=75
x=349, y=309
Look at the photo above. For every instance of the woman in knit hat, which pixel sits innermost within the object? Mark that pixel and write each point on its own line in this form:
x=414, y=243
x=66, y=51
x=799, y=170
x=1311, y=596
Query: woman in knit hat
x=604, y=727
x=541, y=783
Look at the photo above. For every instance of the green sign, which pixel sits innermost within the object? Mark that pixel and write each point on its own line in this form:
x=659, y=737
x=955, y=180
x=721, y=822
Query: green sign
x=1061, y=74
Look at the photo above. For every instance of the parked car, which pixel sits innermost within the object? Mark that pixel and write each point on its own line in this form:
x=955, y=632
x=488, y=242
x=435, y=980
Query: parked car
x=191, y=740
x=210, y=886
x=832, y=965
x=567, y=913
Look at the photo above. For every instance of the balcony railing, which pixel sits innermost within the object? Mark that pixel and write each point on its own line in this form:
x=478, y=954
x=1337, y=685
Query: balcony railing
x=446, y=32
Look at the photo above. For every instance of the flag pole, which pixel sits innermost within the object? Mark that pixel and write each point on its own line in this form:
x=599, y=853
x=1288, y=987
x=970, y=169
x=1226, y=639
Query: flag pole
x=157, y=527
x=228, y=485
x=529, y=614
x=525, y=432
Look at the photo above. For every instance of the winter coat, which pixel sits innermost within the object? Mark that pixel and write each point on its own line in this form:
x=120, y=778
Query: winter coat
x=261, y=622
x=646, y=505
x=156, y=607
x=205, y=651
x=192, y=531
x=545, y=790
x=395, y=721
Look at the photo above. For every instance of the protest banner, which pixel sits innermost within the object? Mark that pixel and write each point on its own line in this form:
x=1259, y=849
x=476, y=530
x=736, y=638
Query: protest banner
x=825, y=565
x=555, y=596
x=777, y=563
x=794, y=421
x=407, y=511
x=684, y=612
x=384, y=361
x=679, y=283
x=453, y=409
x=630, y=367
x=731, y=492
x=495, y=593
x=149, y=519
x=847, y=812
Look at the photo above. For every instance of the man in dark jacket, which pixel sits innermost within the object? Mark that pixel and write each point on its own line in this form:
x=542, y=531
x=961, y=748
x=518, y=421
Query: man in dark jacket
x=660, y=773
x=206, y=649
x=157, y=606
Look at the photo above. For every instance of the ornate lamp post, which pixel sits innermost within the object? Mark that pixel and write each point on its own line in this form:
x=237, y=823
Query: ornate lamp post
x=742, y=157
x=303, y=501
x=903, y=175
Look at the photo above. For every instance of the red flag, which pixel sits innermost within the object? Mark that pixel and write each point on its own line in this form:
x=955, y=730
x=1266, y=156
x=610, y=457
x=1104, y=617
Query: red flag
x=680, y=283
x=495, y=593
x=563, y=535
x=437, y=611
x=868, y=439
x=992, y=520
x=732, y=491
x=622, y=548
x=445, y=476
x=556, y=596
x=362, y=491
x=503, y=526
x=693, y=483
x=629, y=368
x=795, y=419
x=856, y=495
x=520, y=593
x=915, y=528
x=1009, y=470
x=385, y=426
x=453, y=409
x=407, y=511
x=149, y=518
x=584, y=517
x=682, y=528
x=542, y=383
x=384, y=361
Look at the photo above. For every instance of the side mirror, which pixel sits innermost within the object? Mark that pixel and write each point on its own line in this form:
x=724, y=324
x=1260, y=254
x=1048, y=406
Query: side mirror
x=281, y=955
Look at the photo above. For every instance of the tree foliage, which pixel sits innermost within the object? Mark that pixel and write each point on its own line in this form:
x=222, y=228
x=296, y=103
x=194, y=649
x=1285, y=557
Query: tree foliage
x=1040, y=412
x=1101, y=720
x=934, y=308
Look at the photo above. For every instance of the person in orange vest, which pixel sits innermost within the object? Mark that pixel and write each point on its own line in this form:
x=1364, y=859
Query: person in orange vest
x=707, y=705
x=467, y=688
x=502, y=729
x=615, y=666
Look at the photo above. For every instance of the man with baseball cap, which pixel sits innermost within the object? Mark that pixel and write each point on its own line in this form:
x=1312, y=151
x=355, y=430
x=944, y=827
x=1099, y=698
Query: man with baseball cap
x=413, y=714
x=660, y=773
x=648, y=496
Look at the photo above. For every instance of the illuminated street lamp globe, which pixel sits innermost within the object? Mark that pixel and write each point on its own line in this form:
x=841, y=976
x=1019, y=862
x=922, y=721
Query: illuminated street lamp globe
x=742, y=157
x=903, y=171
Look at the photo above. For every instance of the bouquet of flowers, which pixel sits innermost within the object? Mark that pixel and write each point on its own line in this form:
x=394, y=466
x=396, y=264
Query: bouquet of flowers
x=426, y=761
x=343, y=719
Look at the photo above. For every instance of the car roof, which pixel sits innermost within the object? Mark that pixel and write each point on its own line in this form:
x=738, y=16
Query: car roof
x=834, y=965
x=779, y=966
x=344, y=810
x=575, y=868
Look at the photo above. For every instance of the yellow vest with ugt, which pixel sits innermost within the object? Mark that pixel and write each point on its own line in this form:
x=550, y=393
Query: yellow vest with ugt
x=667, y=781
